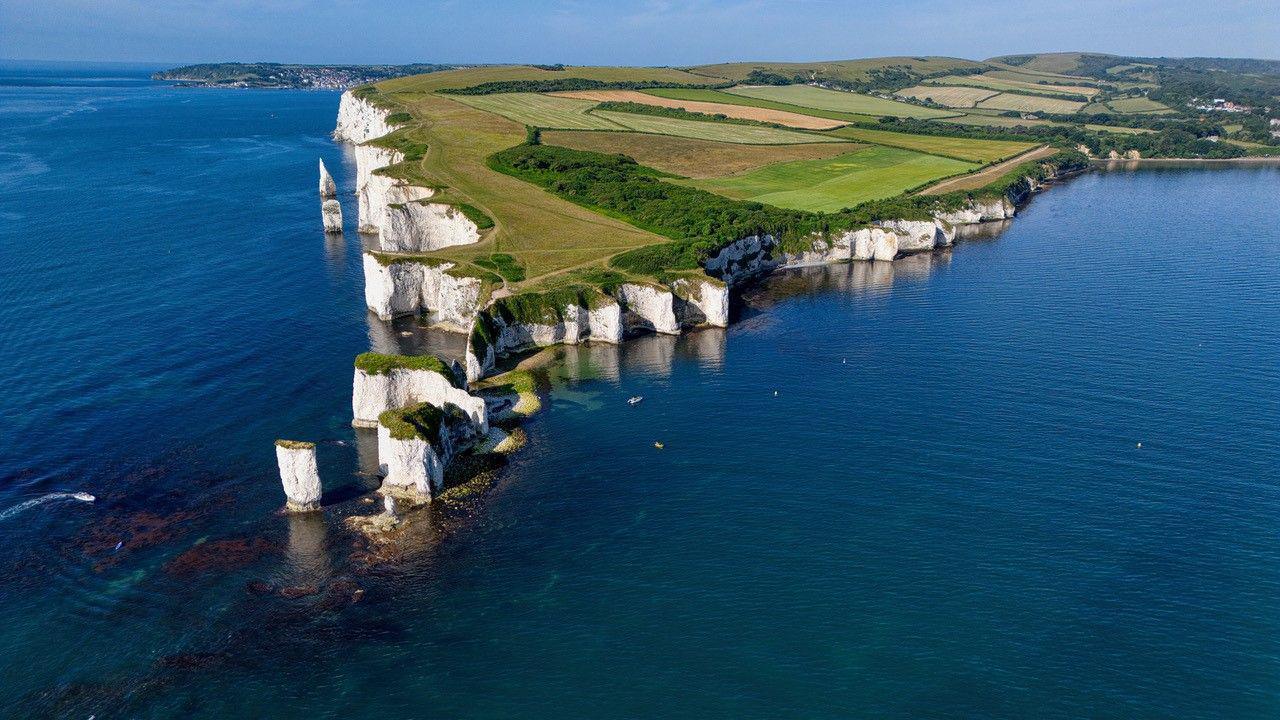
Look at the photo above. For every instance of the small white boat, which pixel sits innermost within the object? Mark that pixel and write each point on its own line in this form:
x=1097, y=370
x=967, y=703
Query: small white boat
x=635, y=399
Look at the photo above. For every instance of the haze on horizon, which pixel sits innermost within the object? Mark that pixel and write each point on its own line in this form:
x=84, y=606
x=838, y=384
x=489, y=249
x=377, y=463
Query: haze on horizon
x=647, y=32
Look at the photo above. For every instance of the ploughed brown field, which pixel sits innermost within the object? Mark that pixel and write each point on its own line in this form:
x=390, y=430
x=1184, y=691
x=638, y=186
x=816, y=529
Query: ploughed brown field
x=743, y=112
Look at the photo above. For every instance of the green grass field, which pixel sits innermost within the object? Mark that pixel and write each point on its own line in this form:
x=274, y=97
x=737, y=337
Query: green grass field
x=997, y=121
x=835, y=183
x=951, y=96
x=1139, y=105
x=1031, y=104
x=692, y=158
x=719, y=131
x=812, y=97
x=541, y=110
x=980, y=151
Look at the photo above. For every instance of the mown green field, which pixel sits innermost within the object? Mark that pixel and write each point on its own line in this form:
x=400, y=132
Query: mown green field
x=981, y=151
x=541, y=110
x=812, y=97
x=1139, y=105
x=835, y=183
x=692, y=158
x=951, y=96
x=706, y=130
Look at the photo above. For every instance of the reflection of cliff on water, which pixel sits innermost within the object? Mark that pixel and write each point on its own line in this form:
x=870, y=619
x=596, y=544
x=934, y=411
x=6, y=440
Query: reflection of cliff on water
x=409, y=336
x=858, y=278
x=307, y=549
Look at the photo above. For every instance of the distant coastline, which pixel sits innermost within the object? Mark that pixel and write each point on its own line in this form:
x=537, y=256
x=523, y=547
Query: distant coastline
x=289, y=75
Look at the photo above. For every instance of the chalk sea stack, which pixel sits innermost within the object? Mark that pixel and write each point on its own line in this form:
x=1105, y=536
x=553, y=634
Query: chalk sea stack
x=328, y=188
x=298, y=475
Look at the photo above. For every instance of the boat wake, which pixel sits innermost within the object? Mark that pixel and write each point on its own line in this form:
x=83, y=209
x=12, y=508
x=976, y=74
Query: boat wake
x=28, y=504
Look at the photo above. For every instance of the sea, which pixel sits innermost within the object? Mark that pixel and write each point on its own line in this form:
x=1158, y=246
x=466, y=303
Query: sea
x=1037, y=475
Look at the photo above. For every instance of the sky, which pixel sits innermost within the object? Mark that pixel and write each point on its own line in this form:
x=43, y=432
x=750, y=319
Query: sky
x=642, y=32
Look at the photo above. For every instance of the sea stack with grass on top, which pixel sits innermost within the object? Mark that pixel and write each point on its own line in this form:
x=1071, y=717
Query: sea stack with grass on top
x=298, y=475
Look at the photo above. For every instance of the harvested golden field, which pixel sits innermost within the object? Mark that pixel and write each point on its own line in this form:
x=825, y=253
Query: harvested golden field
x=690, y=157
x=1031, y=104
x=1004, y=83
x=743, y=112
x=955, y=96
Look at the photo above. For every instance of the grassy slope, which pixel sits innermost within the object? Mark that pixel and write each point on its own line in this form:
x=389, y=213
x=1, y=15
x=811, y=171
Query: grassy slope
x=812, y=97
x=543, y=232
x=846, y=70
x=835, y=183
x=982, y=151
x=688, y=157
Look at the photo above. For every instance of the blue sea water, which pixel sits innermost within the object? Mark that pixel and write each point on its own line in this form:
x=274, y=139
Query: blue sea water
x=889, y=490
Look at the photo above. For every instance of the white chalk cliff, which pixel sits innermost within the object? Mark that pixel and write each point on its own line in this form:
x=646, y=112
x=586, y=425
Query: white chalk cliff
x=359, y=120
x=413, y=464
x=419, y=226
x=374, y=394
x=405, y=287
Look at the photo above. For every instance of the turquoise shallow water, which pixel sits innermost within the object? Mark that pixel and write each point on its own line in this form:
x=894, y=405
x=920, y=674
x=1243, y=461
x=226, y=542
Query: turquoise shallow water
x=943, y=511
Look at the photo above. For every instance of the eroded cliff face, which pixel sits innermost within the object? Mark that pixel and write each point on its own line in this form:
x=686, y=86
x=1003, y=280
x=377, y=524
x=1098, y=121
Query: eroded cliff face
x=418, y=226
x=647, y=308
x=379, y=196
x=331, y=215
x=374, y=394
x=409, y=287
x=298, y=475
x=375, y=192
x=413, y=465
x=360, y=121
